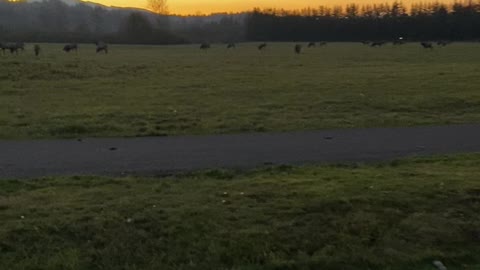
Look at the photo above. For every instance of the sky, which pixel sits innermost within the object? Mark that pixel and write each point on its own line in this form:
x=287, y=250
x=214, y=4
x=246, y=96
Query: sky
x=212, y=6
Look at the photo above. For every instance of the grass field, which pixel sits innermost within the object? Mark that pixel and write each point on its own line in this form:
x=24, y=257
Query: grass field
x=169, y=90
x=400, y=215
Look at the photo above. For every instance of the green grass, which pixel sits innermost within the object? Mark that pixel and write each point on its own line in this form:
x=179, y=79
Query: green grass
x=171, y=90
x=400, y=215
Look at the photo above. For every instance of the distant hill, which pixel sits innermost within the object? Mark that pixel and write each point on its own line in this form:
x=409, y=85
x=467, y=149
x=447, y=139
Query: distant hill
x=75, y=20
x=206, y=18
x=90, y=4
x=68, y=2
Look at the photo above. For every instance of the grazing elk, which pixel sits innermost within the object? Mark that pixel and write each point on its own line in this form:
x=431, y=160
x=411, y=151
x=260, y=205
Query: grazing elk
x=205, y=46
x=311, y=45
x=377, y=44
x=37, y=49
x=323, y=43
x=20, y=46
x=262, y=46
x=427, y=45
x=13, y=47
x=366, y=42
x=3, y=47
x=298, y=49
x=101, y=47
x=231, y=46
x=443, y=43
x=398, y=42
x=71, y=47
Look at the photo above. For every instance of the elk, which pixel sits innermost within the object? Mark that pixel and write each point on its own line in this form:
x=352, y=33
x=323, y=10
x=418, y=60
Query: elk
x=398, y=41
x=101, y=47
x=71, y=47
x=298, y=49
x=19, y=46
x=426, y=45
x=262, y=46
x=323, y=43
x=37, y=49
x=231, y=46
x=377, y=44
x=13, y=47
x=443, y=43
x=311, y=45
x=205, y=46
x=3, y=47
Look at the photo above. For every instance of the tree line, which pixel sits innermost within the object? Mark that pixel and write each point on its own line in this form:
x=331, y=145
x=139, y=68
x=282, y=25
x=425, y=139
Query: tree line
x=353, y=22
x=55, y=21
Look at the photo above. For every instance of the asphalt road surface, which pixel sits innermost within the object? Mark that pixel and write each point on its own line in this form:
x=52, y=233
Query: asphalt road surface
x=163, y=155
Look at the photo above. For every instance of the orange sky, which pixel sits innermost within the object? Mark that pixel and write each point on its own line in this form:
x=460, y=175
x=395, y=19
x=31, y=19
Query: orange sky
x=210, y=6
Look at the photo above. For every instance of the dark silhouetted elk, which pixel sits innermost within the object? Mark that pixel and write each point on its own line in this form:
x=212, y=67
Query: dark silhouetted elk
x=205, y=46
x=262, y=46
x=20, y=46
x=443, y=43
x=101, y=47
x=231, y=46
x=377, y=44
x=37, y=49
x=311, y=45
x=70, y=47
x=13, y=47
x=3, y=47
x=298, y=49
x=427, y=45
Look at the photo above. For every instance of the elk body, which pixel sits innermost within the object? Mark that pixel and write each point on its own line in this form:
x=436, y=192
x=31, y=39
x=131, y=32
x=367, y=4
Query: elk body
x=101, y=47
x=37, y=49
x=71, y=47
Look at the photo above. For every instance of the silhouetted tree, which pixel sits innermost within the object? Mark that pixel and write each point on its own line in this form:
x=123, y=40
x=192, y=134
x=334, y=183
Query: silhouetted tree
x=424, y=21
x=138, y=27
x=158, y=6
x=352, y=11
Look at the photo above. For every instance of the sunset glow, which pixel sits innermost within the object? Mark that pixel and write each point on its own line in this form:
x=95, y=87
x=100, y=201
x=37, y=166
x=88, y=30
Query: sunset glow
x=213, y=6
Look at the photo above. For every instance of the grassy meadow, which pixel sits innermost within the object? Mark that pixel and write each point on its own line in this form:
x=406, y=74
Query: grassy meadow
x=398, y=215
x=170, y=90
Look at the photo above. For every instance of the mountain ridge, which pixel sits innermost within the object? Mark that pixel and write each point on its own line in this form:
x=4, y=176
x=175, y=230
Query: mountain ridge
x=91, y=4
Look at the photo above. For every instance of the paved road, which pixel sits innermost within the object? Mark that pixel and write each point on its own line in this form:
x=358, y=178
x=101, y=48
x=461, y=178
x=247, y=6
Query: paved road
x=150, y=156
